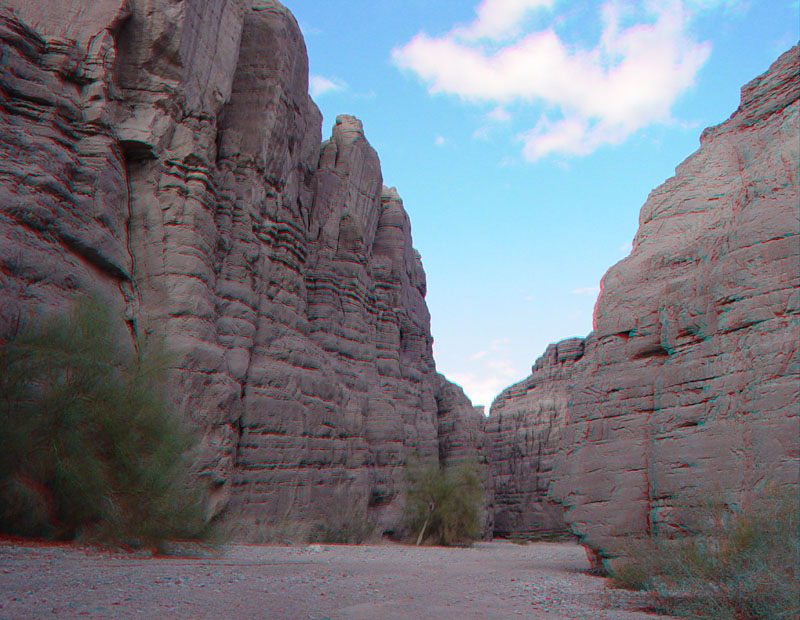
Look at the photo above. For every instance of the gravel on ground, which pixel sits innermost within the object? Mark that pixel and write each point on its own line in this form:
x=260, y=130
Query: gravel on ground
x=490, y=580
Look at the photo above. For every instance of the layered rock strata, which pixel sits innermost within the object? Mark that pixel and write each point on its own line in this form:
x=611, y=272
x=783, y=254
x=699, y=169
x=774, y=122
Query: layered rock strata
x=167, y=155
x=689, y=384
x=524, y=432
x=463, y=439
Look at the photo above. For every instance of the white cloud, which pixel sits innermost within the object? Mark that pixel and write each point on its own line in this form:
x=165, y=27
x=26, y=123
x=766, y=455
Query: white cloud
x=440, y=141
x=499, y=115
x=318, y=85
x=481, y=388
x=481, y=133
x=586, y=96
x=488, y=372
x=626, y=248
x=499, y=19
x=586, y=290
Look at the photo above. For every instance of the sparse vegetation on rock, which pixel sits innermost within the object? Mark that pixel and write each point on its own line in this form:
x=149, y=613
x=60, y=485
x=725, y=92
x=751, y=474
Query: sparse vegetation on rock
x=348, y=525
x=731, y=561
x=89, y=447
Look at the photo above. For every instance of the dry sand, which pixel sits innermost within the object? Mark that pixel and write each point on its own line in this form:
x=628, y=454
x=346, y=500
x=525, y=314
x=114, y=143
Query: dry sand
x=378, y=582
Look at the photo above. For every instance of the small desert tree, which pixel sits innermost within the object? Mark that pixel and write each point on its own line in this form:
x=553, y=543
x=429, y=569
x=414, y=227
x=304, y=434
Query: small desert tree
x=88, y=444
x=443, y=504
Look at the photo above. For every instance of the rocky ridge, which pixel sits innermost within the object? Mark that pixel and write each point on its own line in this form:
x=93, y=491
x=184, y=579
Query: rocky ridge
x=689, y=383
x=167, y=155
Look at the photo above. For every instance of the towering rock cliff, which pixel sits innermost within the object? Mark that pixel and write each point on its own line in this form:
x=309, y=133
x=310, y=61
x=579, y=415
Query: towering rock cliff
x=690, y=381
x=166, y=154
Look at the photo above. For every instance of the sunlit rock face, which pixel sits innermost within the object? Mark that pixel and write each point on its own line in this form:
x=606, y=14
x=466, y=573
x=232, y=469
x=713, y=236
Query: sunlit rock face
x=166, y=154
x=689, y=382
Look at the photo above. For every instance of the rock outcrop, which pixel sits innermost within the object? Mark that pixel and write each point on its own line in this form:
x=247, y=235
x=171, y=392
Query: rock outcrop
x=524, y=431
x=167, y=155
x=690, y=382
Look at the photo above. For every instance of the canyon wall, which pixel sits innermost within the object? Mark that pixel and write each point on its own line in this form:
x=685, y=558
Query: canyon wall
x=524, y=433
x=167, y=156
x=689, y=383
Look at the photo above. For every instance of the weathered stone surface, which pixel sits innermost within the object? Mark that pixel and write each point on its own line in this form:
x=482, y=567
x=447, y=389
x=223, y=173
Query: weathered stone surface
x=524, y=432
x=73, y=20
x=169, y=157
x=690, y=381
x=463, y=439
x=63, y=191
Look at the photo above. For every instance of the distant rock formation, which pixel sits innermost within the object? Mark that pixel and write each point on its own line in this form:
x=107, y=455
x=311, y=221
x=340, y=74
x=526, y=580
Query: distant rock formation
x=524, y=433
x=690, y=381
x=166, y=154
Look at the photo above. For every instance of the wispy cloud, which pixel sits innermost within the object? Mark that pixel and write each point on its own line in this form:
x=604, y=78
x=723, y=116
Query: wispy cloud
x=319, y=85
x=586, y=96
x=440, y=141
x=481, y=133
x=499, y=19
x=586, y=290
x=499, y=115
x=482, y=387
x=309, y=30
x=487, y=372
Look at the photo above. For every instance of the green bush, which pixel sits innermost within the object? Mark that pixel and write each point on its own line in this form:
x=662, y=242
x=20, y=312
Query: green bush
x=733, y=561
x=443, y=505
x=88, y=445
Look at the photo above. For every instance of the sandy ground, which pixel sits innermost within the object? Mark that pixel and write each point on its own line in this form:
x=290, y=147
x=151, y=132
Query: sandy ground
x=384, y=582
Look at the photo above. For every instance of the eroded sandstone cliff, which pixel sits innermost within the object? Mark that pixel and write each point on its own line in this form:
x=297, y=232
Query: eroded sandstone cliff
x=524, y=433
x=690, y=382
x=167, y=155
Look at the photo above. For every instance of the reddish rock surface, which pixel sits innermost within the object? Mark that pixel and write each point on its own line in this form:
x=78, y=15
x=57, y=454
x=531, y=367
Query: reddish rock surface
x=167, y=155
x=524, y=432
x=689, y=383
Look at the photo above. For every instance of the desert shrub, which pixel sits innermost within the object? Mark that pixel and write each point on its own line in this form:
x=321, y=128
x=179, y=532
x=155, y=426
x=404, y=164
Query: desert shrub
x=737, y=562
x=89, y=447
x=347, y=526
x=273, y=531
x=443, y=504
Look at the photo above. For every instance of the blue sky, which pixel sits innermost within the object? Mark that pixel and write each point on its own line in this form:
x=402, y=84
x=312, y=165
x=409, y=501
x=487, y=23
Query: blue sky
x=524, y=136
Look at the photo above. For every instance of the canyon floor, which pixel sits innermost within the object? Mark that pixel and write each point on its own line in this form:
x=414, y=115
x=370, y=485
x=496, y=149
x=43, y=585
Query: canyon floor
x=487, y=581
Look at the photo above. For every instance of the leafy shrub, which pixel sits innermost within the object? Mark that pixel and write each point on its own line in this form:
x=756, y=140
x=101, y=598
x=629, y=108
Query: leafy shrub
x=88, y=445
x=738, y=562
x=443, y=505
